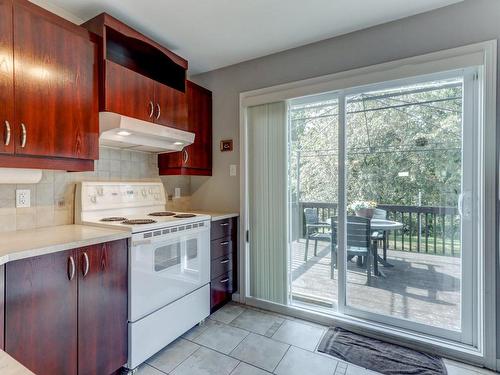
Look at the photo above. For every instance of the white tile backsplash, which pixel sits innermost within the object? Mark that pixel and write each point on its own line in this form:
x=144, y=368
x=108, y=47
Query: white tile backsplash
x=52, y=199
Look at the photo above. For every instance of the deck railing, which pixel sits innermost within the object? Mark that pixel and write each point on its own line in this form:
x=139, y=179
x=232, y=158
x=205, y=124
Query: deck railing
x=432, y=230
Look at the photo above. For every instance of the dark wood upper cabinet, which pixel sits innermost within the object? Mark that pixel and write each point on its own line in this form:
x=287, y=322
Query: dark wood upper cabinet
x=128, y=93
x=41, y=313
x=171, y=107
x=102, y=308
x=48, y=90
x=195, y=159
x=67, y=315
x=6, y=79
x=141, y=78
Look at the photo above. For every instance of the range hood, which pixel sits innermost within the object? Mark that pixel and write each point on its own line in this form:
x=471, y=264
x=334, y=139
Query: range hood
x=129, y=133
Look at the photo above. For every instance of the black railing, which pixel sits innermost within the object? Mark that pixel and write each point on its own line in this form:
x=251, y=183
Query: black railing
x=432, y=230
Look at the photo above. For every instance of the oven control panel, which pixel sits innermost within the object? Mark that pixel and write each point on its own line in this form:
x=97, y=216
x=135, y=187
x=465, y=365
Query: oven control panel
x=122, y=194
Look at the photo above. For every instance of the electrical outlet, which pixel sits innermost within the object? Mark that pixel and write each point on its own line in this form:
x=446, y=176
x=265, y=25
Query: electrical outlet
x=177, y=192
x=23, y=198
x=232, y=170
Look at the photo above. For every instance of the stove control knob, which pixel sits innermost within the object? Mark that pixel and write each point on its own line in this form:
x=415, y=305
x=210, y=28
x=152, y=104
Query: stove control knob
x=150, y=191
x=100, y=191
x=143, y=192
x=157, y=196
x=93, y=199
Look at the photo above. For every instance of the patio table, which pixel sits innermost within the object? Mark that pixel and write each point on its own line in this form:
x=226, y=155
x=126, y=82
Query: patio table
x=385, y=225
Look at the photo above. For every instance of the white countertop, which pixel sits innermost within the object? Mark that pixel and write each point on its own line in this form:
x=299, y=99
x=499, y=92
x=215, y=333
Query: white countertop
x=23, y=244
x=9, y=366
x=216, y=215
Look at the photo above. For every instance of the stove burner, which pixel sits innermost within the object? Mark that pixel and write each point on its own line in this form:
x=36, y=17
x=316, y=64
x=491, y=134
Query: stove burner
x=139, y=221
x=184, y=216
x=162, y=213
x=114, y=218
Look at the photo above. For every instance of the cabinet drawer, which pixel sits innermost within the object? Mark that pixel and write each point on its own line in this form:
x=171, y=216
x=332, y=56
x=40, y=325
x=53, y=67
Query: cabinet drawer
x=222, y=228
x=221, y=265
x=221, y=289
x=221, y=247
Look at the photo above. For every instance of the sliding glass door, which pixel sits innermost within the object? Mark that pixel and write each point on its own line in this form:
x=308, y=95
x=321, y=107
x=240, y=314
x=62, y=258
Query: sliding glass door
x=383, y=192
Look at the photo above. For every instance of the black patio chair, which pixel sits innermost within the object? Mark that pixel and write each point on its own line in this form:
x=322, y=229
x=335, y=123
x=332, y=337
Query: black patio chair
x=359, y=243
x=315, y=230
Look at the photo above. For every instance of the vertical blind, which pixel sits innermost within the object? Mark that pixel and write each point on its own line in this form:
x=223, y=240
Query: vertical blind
x=267, y=185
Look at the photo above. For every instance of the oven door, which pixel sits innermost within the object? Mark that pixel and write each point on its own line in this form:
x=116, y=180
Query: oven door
x=167, y=267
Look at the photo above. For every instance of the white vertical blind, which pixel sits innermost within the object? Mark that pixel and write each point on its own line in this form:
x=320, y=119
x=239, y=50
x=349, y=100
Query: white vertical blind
x=267, y=178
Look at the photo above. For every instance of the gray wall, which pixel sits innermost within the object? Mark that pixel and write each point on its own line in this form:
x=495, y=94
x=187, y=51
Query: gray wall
x=456, y=25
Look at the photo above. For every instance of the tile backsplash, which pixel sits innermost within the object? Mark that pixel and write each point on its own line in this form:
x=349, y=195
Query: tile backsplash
x=52, y=199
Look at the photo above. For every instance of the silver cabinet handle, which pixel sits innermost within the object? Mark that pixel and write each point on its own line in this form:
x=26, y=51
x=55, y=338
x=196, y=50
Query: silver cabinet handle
x=159, y=111
x=186, y=156
x=7, y=133
x=224, y=224
x=225, y=243
x=151, y=109
x=86, y=266
x=224, y=261
x=71, y=268
x=23, y=135
x=223, y=281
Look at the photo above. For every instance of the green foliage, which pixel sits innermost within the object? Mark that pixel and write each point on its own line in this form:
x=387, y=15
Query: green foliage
x=400, y=143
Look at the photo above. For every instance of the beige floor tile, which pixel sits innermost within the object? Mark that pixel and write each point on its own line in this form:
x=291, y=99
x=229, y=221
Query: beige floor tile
x=260, y=351
x=173, y=355
x=299, y=361
x=221, y=337
x=299, y=334
x=206, y=362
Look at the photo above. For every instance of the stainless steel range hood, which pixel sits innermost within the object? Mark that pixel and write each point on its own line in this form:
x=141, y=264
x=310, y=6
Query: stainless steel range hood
x=133, y=134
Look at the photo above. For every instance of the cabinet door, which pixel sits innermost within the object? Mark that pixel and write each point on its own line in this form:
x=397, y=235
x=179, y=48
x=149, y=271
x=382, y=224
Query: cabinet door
x=6, y=79
x=41, y=313
x=56, y=87
x=195, y=159
x=171, y=107
x=199, y=154
x=102, y=308
x=128, y=93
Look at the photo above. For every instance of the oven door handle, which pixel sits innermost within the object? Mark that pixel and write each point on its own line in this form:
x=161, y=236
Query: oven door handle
x=141, y=242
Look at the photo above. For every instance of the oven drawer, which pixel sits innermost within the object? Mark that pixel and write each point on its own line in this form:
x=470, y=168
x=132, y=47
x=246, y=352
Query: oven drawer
x=221, y=247
x=221, y=289
x=221, y=265
x=222, y=228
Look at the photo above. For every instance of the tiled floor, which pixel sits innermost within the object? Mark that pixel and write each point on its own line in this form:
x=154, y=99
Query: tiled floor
x=240, y=340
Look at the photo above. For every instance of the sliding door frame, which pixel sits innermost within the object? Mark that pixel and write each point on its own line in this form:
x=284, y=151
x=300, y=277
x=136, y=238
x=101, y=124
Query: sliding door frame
x=480, y=54
x=469, y=280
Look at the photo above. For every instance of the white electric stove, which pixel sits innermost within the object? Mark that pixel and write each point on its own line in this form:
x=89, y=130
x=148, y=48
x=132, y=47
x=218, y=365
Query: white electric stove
x=169, y=260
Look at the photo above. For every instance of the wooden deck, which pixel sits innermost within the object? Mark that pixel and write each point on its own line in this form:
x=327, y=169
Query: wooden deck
x=420, y=287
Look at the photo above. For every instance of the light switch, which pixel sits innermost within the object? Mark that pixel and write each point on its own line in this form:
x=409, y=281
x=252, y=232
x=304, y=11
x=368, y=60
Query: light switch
x=232, y=170
x=177, y=192
x=23, y=198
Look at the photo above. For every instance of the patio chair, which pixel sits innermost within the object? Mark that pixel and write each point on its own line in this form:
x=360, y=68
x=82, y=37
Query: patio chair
x=313, y=226
x=382, y=236
x=359, y=243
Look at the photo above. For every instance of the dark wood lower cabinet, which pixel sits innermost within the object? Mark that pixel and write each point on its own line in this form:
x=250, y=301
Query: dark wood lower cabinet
x=41, y=313
x=224, y=255
x=66, y=312
x=102, y=309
